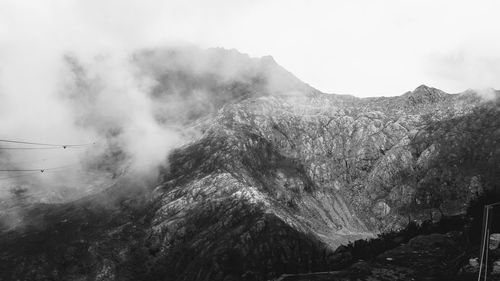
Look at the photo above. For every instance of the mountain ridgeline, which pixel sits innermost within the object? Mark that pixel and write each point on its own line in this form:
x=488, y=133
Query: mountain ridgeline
x=279, y=176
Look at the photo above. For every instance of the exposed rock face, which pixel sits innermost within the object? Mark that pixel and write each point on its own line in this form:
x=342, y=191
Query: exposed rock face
x=276, y=182
x=494, y=241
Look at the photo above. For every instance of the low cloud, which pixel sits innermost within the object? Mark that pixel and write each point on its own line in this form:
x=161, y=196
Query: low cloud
x=121, y=113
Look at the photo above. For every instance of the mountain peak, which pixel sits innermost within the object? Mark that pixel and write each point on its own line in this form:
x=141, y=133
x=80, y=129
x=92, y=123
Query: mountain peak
x=424, y=94
x=268, y=59
x=423, y=87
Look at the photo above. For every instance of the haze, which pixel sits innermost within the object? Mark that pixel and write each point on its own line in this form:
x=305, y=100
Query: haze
x=364, y=48
x=66, y=74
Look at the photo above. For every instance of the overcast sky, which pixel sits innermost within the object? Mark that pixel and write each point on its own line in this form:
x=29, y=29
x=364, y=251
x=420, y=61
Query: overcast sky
x=359, y=47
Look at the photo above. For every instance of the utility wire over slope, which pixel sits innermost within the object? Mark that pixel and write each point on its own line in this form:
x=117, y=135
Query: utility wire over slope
x=36, y=145
x=38, y=170
x=43, y=145
x=20, y=175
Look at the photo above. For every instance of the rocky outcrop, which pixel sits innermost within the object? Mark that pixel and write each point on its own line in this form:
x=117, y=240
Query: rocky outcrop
x=425, y=95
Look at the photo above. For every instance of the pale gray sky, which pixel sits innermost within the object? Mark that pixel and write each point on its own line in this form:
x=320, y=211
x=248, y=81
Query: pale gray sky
x=359, y=47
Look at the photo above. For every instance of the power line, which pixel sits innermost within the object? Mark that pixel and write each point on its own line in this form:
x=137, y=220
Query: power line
x=46, y=144
x=29, y=148
x=19, y=176
x=21, y=170
x=25, y=161
x=29, y=172
x=33, y=172
x=38, y=170
x=25, y=174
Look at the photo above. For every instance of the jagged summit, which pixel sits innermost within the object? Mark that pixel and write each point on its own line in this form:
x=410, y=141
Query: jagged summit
x=424, y=88
x=268, y=59
x=424, y=94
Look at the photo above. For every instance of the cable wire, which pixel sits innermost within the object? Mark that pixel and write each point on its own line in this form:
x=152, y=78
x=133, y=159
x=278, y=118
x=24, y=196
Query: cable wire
x=30, y=172
x=46, y=144
x=19, y=176
x=25, y=161
x=39, y=169
x=29, y=148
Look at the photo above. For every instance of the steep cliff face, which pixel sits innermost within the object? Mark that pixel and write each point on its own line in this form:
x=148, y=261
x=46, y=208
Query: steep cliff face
x=312, y=154
x=274, y=184
x=336, y=168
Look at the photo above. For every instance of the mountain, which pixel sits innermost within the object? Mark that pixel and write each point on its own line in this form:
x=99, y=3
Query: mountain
x=280, y=176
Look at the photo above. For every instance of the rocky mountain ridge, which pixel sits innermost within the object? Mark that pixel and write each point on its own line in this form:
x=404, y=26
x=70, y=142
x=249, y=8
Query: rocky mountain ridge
x=275, y=183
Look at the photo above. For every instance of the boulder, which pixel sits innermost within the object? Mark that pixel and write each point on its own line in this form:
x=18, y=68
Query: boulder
x=472, y=266
x=495, y=270
x=361, y=268
x=494, y=241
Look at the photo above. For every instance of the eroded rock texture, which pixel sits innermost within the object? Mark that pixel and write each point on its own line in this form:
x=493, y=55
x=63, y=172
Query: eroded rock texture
x=276, y=181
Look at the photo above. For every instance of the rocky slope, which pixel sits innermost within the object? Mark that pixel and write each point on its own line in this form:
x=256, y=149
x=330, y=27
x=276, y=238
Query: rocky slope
x=280, y=176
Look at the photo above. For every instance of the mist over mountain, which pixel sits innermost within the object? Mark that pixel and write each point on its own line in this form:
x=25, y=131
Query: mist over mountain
x=212, y=165
x=127, y=112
